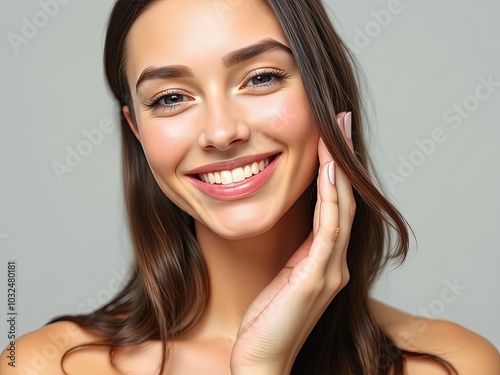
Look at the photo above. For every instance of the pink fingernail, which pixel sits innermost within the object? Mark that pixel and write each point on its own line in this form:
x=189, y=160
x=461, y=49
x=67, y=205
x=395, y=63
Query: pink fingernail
x=348, y=125
x=340, y=121
x=331, y=172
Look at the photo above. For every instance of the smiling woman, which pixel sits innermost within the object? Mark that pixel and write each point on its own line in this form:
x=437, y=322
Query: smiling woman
x=257, y=228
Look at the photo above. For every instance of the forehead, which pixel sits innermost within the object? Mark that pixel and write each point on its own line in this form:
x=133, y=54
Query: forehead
x=191, y=32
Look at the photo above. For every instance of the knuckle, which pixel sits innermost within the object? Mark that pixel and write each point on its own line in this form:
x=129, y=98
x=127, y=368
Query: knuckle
x=337, y=281
x=345, y=279
x=334, y=282
x=334, y=234
x=328, y=236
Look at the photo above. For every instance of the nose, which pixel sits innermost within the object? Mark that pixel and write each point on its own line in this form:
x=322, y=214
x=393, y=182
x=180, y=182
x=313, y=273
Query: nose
x=222, y=128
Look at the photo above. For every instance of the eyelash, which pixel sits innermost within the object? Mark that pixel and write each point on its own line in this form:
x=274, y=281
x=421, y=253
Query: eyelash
x=154, y=103
x=279, y=76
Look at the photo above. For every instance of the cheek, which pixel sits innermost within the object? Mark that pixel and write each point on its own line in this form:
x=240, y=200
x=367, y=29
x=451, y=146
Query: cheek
x=165, y=143
x=294, y=124
x=286, y=117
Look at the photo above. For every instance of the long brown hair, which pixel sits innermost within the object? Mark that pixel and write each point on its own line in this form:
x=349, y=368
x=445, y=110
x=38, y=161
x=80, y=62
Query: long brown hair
x=169, y=287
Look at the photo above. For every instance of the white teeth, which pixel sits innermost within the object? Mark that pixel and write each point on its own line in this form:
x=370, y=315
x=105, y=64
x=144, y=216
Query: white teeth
x=248, y=171
x=211, y=178
x=227, y=177
x=218, y=180
x=255, y=168
x=236, y=175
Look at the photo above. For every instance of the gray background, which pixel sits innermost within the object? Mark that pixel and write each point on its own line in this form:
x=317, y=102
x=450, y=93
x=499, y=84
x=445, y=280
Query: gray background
x=68, y=234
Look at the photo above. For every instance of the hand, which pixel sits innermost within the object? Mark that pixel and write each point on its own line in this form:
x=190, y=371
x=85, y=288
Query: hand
x=280, y=319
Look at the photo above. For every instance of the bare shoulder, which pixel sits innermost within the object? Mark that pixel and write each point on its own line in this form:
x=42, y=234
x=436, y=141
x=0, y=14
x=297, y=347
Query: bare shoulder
x=467, y=351
x=40, y=352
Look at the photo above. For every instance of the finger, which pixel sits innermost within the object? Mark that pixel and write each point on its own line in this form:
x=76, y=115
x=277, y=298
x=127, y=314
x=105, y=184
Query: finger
x=323, y=153
x=344, y=186
x=343, y=120
x=324, y=157
x=345, y=124
x=346, y=209
x=340, y=118
x=317, y=208
x=337, y=272
x=347, y=205
x=328, y=218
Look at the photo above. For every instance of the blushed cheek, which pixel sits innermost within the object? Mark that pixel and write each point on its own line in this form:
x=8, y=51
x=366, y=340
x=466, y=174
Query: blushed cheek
x=165, y=145
x=283, y=116
x=294, y=122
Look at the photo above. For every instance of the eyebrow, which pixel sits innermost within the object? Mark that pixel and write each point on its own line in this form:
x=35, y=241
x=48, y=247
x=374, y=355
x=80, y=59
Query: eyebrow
x=232, y=58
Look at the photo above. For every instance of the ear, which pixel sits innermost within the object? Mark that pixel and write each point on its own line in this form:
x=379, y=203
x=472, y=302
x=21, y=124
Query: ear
x=128, y=117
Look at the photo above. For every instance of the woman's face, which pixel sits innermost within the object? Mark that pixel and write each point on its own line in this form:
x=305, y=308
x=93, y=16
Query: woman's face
x=221, y=112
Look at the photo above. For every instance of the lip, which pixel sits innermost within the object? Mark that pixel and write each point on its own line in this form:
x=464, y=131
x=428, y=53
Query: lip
x=229, y=165
x=237, y=190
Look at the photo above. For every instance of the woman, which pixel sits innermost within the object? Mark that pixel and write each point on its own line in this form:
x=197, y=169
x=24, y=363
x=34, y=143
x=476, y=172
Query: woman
x=256, y=226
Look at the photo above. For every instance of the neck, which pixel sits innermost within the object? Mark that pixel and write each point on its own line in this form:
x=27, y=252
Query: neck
x=240, y=269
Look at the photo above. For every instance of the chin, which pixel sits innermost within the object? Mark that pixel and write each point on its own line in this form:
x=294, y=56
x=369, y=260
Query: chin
x=255, y=218
x=239, y=232
x=239, y=223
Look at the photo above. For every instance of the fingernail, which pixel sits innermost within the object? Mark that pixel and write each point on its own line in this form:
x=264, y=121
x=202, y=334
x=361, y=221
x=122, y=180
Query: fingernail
x=347, y=124
x=331, y=172
x=340, y=121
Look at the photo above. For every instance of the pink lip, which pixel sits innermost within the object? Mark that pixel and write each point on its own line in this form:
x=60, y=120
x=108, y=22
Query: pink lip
x=240, y=189
x=230, y=164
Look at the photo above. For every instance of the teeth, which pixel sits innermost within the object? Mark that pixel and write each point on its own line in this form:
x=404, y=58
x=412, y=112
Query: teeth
x=211, y=178
x=248, y=171
x=226, y=177
x=218, y=180
x=236, y=175
x=255, y=168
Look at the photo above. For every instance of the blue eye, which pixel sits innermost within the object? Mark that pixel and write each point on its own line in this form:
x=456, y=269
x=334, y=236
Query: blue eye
x=266, y=78
x=172, y=98
x=168, y=100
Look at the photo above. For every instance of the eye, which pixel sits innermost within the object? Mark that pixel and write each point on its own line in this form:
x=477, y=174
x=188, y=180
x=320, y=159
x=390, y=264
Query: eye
x=260, y=79
x=171, y=99
x=167, y=100
x=266, y=78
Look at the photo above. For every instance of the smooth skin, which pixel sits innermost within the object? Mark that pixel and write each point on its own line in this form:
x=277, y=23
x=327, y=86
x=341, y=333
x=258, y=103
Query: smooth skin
x=272, y=274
